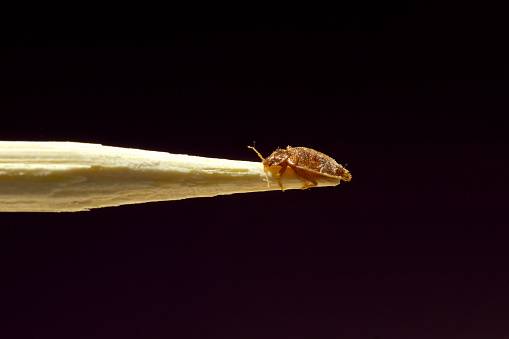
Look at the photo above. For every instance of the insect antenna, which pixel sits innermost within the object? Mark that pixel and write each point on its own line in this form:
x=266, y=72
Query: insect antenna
x=259, y=154
x=263, y=159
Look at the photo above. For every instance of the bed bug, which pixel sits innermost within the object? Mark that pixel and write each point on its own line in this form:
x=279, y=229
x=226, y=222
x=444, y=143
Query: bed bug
x=307, y=163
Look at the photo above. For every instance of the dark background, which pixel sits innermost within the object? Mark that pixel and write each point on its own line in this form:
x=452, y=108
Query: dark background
x=412, y=98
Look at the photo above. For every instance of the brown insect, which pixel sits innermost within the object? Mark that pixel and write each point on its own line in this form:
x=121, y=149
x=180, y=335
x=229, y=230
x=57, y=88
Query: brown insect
x=307, y=163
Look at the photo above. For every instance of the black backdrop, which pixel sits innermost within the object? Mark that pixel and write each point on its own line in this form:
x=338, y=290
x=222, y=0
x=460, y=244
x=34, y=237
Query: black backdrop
x=410, y=97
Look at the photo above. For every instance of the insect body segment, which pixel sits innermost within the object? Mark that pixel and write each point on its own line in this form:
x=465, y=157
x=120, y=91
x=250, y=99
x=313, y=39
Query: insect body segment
x=307, y=163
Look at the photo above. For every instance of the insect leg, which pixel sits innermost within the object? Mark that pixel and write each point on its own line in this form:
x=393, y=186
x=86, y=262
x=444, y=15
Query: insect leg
x=266, y=176
x=306, y=177
x=281, y=172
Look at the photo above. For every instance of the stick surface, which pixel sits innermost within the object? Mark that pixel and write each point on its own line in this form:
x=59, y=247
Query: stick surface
x=70, y=176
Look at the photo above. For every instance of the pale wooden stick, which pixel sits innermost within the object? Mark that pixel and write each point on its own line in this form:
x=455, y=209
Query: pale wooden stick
x=70, y=176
